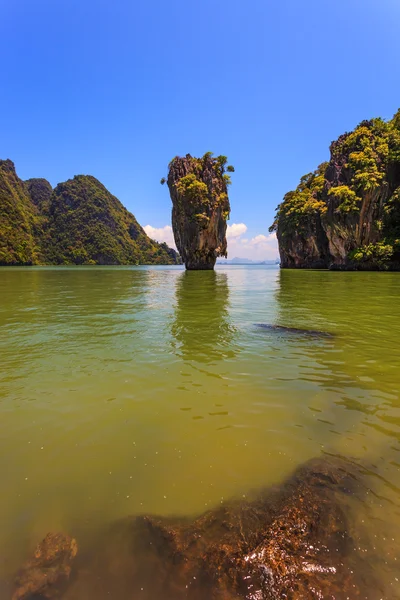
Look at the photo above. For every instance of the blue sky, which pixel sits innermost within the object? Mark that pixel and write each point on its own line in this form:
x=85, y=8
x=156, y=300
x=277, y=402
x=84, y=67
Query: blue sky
x=116, y=89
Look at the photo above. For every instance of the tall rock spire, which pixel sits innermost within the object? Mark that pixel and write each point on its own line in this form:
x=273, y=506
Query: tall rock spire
x=200, y=208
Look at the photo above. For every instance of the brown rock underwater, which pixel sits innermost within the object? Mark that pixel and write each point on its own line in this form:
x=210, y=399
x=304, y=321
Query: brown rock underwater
x=293, y=541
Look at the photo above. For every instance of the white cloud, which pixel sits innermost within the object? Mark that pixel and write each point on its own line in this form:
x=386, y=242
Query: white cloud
x=161, y=234
x=259, y=247
x=259, y=239
x=235, y=230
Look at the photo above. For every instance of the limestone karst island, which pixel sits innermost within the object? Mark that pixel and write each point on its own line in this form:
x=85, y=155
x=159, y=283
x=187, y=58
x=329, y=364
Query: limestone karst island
x=346, y=213
x=200, y=355
x=200, y=208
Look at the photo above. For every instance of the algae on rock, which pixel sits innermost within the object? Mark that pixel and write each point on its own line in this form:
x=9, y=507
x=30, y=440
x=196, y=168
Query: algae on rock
x=200, y=208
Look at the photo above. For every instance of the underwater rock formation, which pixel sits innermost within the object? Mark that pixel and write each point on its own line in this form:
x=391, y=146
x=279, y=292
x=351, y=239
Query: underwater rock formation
x=346, y=214
x=293, y=541
x=294, y=330
x=200, y=208
x=289, y=545
x=47, y=573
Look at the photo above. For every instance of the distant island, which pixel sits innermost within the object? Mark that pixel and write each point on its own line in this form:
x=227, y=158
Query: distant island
x=79, y=223
x=346, y=214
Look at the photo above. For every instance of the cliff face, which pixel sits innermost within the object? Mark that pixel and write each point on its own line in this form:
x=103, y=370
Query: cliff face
x=200, y=208
x=79, y=222
x=346, y=214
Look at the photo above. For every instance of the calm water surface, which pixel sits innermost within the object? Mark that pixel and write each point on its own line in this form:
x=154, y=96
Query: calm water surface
x=150, y=390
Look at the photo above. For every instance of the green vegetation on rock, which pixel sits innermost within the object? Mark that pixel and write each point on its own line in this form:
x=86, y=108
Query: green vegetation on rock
x=346, y=214
x=199, y=193
x=79, y=222
x=19, y=220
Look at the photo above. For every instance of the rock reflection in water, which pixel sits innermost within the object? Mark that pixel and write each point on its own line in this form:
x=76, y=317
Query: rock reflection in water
x=202, y=328
x=290, y=542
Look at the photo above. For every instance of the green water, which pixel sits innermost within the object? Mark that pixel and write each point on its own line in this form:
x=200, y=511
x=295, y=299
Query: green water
x=150, y=390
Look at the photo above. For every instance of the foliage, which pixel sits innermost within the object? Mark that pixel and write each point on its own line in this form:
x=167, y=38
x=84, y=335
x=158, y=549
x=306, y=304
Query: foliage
x=162, y=180
x=79, y=222
x=40, y=192
x=391, y=216
x=349, y=201
x=202, y=219
x=222, y=160
x=19, y=220
x=87, y=224
x=192, y=188
x=357, y=192
x=377, y=255
x=218, y=164
x=206, y=182
x=303, y=203
x=368, y=150
x=200, y=207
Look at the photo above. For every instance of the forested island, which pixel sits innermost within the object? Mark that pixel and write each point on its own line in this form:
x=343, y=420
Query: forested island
x=78, y=222
x=346, y=214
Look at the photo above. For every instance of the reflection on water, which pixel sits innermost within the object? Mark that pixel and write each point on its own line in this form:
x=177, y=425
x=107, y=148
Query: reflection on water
x=201, y=326
x=131, y=391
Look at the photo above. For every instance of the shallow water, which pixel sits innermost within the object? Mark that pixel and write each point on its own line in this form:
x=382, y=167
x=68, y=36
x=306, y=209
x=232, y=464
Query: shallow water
x=151, y=390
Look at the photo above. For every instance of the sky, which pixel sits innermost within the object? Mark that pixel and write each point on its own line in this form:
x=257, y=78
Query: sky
x=117, y=89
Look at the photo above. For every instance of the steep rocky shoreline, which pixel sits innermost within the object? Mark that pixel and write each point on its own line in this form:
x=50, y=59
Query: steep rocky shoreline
x=79, y=222
x=346, y=214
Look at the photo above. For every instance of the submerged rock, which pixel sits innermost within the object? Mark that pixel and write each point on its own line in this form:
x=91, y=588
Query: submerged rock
x=287, y=544
x=293, y=541
x=295, y=330
x=200, y=208
x=46, y=574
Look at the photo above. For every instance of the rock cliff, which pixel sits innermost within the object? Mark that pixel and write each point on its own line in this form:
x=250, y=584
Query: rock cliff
x=346, y=214
x=200, y=208
x=79, y=222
